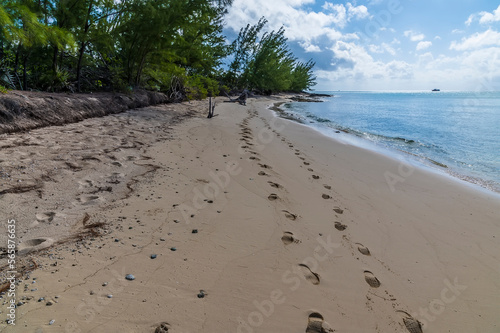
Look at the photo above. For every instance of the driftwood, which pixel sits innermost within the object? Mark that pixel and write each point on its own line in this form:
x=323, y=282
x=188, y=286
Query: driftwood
x=211, y=108
x=242, y=99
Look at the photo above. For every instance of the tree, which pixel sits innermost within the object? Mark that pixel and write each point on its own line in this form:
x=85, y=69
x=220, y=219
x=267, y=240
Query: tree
x=302, y=76
x=242, y=49
x=266, y=64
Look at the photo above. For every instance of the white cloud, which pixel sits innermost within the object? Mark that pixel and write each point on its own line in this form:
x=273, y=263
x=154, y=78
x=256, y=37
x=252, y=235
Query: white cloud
x=382, y=48
x=423, y=45
x=308, y=47
x=414, y=36
x=478, y=40
x=339, y=13
x=300, y=25
x=354, y=64
x=484, y=17
x=344, y=15
x=358, y=12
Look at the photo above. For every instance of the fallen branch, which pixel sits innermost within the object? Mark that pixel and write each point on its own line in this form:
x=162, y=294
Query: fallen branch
x=242, y=99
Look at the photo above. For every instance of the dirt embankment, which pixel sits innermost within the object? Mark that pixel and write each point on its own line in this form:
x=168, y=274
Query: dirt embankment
x=22, y=110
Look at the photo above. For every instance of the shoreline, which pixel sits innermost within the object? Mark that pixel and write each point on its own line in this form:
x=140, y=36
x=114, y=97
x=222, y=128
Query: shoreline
x=421, y=161
x=250, y=222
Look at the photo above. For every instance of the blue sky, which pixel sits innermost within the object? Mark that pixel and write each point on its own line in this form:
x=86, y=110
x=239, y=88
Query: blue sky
x=387, y=44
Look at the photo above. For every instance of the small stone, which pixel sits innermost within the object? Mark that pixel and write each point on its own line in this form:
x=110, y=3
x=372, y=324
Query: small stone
x=117, y=240
x=162, y=239
x=194, y=231
x=92, y=292
x=153, y=256
x=49, y=303
x=201, y=294
x=109, y=296
x=51, y=322
x=130, y=277
x=104, y=284
x=173, y=249
x=41, y=299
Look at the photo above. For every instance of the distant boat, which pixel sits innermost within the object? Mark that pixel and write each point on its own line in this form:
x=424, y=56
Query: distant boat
x=436, y=89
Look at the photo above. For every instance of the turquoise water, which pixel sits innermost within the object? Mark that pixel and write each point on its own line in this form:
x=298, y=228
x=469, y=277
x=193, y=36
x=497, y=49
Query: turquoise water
x=456, y=132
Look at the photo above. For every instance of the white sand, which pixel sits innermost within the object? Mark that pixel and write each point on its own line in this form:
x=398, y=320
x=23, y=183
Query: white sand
x=265, y=264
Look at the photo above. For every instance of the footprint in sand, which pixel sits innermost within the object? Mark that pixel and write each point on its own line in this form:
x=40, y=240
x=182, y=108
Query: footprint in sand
x=35, y=244
x=265, y=166
x=328, y=187
x=89, y=200
x=273, y=197
x=74, y=166
x=288, y=238
x=411, y=324
x=315, y=323
x=85, y=183
x=363, y=249
x=162, y=328
x=371, y=279
x=262, y=173
x=338, y=210
x=309, y=275
x=325, y=196
x=254, y=158
x=275, y=185
x=289, y=215
x=306, y=163
x=339, y=226
x=315, y=177
x=45, y=217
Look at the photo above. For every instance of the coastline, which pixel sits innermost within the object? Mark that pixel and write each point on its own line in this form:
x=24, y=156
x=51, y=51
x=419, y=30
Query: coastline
x=293, y=231
x=422, y=161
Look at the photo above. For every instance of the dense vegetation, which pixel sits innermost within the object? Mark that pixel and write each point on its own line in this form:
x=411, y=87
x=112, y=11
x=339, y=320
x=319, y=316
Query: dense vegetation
x=174, y=46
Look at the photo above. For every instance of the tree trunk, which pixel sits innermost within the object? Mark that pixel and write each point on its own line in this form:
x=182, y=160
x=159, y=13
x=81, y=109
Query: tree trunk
x=82, y=48
x=25, y=76
x=54, y=59
x=79, y=67
x=16, y=65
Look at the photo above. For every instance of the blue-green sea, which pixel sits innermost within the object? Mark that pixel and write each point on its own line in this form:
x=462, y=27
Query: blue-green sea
x=455, y=132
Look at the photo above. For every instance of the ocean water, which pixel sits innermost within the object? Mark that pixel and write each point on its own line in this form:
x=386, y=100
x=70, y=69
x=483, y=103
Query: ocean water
x=455, y=132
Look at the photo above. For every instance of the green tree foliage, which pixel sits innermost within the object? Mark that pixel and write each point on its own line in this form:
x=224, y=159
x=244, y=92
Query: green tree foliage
x=176, y=46
x=267, y=64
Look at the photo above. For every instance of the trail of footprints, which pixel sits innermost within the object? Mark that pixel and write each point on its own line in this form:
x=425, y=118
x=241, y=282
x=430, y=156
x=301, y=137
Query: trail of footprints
x=315, y=319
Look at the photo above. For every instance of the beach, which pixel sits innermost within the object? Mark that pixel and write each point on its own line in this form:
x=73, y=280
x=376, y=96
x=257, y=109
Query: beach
x=245, y=222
